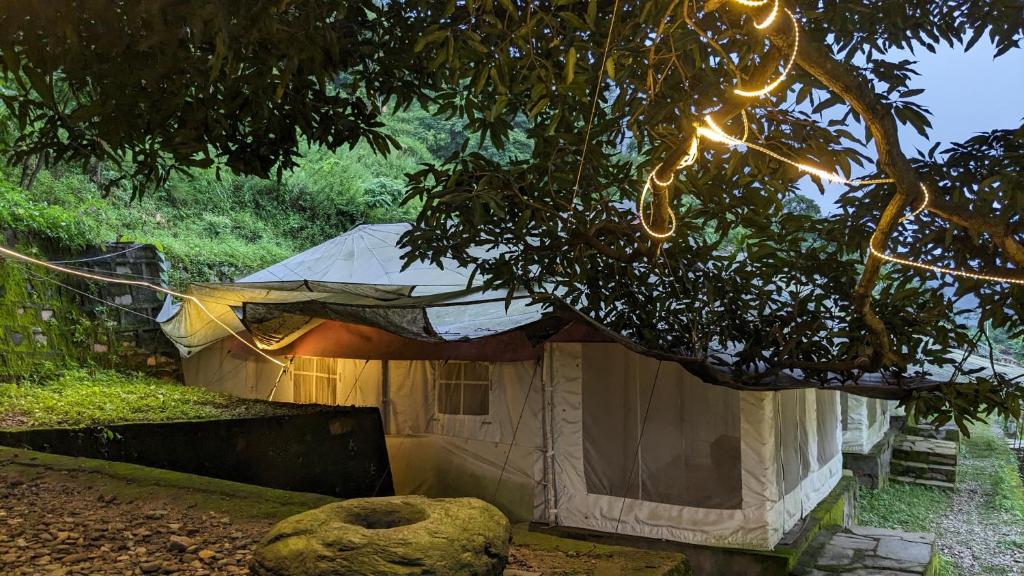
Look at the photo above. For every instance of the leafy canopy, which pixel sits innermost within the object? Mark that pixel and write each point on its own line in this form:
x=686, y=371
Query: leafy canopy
x=746, y=292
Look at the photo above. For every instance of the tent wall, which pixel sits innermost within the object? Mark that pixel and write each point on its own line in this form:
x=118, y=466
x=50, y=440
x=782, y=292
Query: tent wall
x=642, y=447
x=865, y=422
x=495, y=456
x=229, y=367
x=707, y=465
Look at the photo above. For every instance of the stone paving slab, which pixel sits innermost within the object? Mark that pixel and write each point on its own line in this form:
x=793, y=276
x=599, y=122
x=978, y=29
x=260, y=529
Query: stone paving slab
x=860, y=550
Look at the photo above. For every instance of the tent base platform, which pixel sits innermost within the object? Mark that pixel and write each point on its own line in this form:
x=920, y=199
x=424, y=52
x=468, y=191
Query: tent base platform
x=835, y=512
x=872, y=469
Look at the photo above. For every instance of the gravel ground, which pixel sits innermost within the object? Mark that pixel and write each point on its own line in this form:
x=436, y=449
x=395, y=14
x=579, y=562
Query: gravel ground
x=54, y=528
x=60, y=517
x=978, y=540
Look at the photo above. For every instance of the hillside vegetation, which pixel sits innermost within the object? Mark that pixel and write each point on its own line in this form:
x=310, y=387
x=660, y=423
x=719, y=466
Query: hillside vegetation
x=216, y=226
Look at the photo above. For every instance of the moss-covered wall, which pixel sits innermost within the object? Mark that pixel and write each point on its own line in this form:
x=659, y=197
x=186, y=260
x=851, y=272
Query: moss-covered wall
x=40, y=322
x=46, y=316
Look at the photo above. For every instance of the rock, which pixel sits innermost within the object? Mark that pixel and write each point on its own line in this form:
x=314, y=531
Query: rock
x=400, y=535
x=179, y=543
x=150, y=567
x=206, y=554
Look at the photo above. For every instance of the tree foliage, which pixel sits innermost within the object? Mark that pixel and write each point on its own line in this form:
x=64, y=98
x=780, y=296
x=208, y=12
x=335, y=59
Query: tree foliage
x=746, y=292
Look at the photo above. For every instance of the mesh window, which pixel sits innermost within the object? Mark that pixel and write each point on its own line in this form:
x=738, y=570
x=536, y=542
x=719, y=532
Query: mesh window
x=828, y=442
x=464, y=389
x=795, y=466
x=449, y=398
x=475, y=399
x=610, y=421
x=690, y=451
x=315, y=380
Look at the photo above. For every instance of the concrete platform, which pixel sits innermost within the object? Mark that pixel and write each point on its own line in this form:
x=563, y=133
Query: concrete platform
x=862, y=551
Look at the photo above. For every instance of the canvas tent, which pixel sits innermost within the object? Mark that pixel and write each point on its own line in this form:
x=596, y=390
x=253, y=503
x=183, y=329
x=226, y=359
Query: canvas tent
x=546, y=415
x=865, y=422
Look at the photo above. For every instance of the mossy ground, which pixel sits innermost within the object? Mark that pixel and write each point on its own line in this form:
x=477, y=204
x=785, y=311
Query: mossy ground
x=96, y=397
x=131, y=483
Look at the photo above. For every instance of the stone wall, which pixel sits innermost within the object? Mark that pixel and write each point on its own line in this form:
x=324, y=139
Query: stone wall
x=50, y=316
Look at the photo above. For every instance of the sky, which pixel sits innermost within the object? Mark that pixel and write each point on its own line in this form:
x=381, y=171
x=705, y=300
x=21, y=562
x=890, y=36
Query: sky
x=967, y=93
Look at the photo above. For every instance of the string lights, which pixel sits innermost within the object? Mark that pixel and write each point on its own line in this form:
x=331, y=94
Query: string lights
x=690, y=158
x=769, y=18
x=767, y=88
x=23, y=258
x=712, y=131
x=873, y=248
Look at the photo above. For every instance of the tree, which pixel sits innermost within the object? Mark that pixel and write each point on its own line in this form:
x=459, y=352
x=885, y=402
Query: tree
x=610, y=92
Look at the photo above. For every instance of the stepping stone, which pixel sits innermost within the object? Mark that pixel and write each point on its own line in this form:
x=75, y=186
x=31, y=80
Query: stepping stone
x=912, y=480
x=863, y=551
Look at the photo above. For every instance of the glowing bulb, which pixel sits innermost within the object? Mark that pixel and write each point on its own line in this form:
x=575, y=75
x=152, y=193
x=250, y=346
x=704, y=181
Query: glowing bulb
x=785, y=71
x=752, y=3
x=193, y=299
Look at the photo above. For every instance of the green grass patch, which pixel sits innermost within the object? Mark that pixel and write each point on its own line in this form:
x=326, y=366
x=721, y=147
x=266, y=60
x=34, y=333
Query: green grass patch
x=93, y=397
x=906, y=507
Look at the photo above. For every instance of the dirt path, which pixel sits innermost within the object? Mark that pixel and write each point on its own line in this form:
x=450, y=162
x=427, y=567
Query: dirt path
x=979, y=533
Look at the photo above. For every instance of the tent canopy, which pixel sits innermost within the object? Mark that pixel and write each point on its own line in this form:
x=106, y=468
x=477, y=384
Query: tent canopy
x=360, y=278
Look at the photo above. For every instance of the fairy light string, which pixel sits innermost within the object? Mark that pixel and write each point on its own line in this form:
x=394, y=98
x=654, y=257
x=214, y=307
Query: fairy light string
x=875, y=248
x=711, y=131
x=28, y=259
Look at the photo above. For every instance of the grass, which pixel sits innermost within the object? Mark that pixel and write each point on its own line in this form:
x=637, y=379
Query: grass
x=906, y=507
x=92, y=397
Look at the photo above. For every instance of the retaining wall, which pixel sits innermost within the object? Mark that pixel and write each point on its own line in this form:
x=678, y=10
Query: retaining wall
x=334, y=451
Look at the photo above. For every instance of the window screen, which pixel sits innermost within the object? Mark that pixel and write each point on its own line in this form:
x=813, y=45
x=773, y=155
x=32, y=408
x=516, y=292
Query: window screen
x=464, y=388
x=828, y=420
x=315, y=380
x=795, y=465
x=690, y=450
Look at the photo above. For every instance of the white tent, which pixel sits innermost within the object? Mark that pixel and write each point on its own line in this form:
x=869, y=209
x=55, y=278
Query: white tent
x=865, y=422
x=548, y=417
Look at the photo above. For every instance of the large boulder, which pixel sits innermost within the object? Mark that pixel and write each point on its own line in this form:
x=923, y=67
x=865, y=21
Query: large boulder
x=400, y=535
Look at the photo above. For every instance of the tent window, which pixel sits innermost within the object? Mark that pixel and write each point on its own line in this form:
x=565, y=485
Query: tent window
x=793, y=414
x=828, y=442
x=464, y=389
x=845, y=403
x=874, y=412
x=315, y=380
x=689, y=453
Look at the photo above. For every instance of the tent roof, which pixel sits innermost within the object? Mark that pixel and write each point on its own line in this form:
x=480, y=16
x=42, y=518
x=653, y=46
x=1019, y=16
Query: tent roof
x=367, y=254
x=358, y=278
